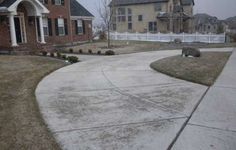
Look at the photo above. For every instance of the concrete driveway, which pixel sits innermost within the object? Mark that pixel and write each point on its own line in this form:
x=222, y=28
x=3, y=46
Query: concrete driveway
x=116, y=103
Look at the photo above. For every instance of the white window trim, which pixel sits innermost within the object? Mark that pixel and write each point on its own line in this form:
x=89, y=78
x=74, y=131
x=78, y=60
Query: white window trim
x=80, y=25
x=45, y=25
x=57, y=2
x=61, y=24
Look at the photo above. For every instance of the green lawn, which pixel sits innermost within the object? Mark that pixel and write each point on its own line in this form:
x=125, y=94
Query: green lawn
x=203, y=70
x=21, y=124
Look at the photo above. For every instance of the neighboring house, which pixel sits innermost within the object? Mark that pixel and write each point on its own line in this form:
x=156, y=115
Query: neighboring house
x=152, y=15
x=205, y=23
x=38, y=24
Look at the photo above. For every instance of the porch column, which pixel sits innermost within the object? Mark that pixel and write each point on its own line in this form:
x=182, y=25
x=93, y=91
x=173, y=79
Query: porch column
x=12, y=30
x=41, y=30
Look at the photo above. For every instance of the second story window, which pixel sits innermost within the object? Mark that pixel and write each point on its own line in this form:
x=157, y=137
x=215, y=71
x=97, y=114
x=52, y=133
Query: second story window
x=58, y=2
x=158, y=7
x=44, y=1
x=130, y=25
x=121, y=15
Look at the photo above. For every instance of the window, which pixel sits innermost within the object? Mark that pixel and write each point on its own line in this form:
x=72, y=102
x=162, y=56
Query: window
x=114, y=27
x=130, y=26
x=61, y=27
x=58, y=2
x=44, y=1
x=45, y=27
x=80, y=28
x=158, y=7
x=140, y=17
x=152, y=27
x=121, y=15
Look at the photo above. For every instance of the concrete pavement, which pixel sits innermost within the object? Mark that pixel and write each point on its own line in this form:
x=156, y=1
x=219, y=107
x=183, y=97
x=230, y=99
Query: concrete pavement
x=117, y=102
x=213, y=125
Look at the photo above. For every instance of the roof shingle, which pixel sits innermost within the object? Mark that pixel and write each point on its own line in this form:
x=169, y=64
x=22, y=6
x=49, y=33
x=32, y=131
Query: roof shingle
x=78, y=10
x=7, y=3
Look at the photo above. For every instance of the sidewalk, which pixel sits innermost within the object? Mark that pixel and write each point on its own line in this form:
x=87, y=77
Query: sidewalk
x=213, y=125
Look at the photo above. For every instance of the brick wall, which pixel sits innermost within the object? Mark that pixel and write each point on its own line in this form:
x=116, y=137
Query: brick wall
x=4, y=32
x=58, y=11
x=87, y=34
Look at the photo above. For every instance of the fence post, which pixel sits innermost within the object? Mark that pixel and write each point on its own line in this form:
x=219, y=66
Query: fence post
x=158, y=36
x=147, y=36
x=209, y=37
x=116, y=36
x=196, y=37
x=183, y=37
x=136, y=35
x=126, y=33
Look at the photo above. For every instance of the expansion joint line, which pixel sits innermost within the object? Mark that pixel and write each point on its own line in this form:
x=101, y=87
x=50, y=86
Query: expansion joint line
x=187, y=121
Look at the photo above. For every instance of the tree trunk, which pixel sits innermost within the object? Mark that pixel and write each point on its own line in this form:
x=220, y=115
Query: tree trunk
x=108, y=37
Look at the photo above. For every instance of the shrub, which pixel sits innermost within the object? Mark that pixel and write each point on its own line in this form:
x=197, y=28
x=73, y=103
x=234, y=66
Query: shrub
x=44, y=53
x=71, y=50
x=58, y=54
x=102, y=35
x=63, y=57
x=51, y=54
x=80, y=51
x=99, y=52
x=191, y=51
x=109, y=52
x=72, y=59
x=90, y=51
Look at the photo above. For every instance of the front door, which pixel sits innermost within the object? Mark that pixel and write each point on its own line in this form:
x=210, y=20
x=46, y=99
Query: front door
x=20, y=28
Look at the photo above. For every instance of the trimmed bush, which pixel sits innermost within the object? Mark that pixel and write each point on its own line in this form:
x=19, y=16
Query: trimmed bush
x=109, y=52
x=63, y=57
x=58, y=54
x=44, y=53
x=73, y=59
x=191, y=51
x=80, y=51
x=99, y=52
x=71, y=50
x=90, y=51
x=52, y=54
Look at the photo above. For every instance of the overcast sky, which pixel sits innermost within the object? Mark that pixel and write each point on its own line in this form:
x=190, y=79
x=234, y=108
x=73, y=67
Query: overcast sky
x=219, y=8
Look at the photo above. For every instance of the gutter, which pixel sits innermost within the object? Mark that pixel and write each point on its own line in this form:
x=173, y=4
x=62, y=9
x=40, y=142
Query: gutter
x=3, y=9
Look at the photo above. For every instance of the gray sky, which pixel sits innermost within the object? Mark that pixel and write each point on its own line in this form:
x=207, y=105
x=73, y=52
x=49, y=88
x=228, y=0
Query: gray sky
x=219, y=8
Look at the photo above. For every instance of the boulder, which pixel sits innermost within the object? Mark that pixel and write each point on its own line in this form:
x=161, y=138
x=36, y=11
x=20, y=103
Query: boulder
x=191, y=51
x=177, y=41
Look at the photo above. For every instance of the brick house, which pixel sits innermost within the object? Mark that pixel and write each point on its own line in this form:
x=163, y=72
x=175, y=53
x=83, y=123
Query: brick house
x=152, y=16
x=32, y=25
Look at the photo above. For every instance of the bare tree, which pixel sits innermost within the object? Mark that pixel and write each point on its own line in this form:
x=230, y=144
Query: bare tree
x=105, y=11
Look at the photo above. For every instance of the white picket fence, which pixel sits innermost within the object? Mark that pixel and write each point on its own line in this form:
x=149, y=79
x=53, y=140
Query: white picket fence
x=170, y=37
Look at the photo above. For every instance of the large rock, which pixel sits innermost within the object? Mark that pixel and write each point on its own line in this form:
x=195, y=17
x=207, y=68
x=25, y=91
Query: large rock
x=191, y=51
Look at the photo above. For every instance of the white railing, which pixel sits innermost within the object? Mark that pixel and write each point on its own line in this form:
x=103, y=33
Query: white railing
x=169, y=37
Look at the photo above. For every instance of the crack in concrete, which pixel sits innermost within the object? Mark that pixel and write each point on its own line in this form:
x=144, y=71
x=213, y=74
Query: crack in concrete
x=112, y=88
x=215, y=128
x=187, y=121
x=119, y=125
x=140, y=98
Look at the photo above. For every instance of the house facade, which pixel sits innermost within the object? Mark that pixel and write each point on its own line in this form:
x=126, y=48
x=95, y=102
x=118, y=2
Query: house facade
x=152, y=16
x=32, y=25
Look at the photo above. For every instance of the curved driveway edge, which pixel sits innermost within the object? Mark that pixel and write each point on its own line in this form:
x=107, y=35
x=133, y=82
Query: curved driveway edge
x=116, y=102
